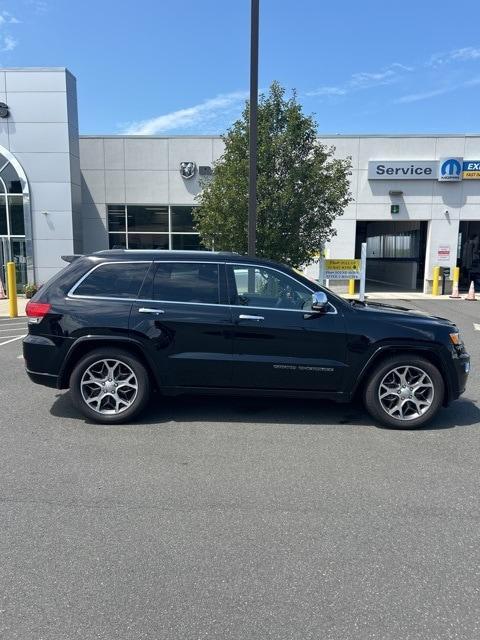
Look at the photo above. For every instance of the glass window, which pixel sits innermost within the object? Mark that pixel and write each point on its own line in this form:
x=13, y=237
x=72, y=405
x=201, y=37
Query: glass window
x=17, y=223
x=182, y=218
x=147, y=218
x=11, y=179
x=186, y=242
x=3, y=217
x=263, y=287
x=117, y=241
x=114, y=281
x=187, y=282
x=148, y=240
x=116, y=217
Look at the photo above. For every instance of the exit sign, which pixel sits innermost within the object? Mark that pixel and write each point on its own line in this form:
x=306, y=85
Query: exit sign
x=394, y=208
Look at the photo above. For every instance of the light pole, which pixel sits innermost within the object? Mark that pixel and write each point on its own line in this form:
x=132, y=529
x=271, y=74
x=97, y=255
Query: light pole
x=252, y=182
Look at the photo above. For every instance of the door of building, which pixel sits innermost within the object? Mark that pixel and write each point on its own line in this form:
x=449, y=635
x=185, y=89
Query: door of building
x=14, y=250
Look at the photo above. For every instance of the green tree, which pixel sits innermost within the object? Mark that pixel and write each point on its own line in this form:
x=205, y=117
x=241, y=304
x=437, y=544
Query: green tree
x=301, y=187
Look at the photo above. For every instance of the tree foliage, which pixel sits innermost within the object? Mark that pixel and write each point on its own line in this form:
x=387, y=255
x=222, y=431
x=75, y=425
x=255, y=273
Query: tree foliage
x=301, y=187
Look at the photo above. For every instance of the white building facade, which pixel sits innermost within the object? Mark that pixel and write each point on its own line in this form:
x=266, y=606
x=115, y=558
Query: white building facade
x=416, y=199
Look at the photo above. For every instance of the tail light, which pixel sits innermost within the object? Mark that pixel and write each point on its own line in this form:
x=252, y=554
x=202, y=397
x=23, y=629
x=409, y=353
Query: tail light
x=36, y=311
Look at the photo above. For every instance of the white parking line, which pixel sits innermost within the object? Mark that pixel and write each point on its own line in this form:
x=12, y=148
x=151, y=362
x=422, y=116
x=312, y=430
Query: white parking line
x=19, y=327
x=11, y=340
x=476, y=326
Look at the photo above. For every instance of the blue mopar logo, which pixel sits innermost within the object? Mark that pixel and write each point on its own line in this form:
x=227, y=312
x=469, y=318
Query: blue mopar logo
x=451, y=167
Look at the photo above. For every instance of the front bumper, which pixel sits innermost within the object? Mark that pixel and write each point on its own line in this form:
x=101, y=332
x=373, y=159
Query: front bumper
x=462, y=370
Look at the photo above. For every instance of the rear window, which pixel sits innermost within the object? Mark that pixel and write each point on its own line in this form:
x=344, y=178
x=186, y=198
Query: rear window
x=113, y=281
x=187, y=282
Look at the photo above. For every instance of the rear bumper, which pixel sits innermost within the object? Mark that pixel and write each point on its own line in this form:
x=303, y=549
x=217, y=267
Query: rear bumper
x=42, y=358
x=45, y=379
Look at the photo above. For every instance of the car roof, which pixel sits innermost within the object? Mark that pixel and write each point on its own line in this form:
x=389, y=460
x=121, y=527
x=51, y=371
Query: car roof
x=164, y=254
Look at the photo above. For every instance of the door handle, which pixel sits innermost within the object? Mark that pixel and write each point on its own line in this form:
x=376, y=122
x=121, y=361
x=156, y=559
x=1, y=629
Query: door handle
x=147, y=310
x=246, y=317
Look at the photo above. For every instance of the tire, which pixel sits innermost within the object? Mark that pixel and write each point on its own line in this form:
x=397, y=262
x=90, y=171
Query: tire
x=124, y=387
x=404, y=406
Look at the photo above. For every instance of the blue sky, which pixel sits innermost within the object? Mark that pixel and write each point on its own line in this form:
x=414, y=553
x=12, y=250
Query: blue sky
x=181, y=66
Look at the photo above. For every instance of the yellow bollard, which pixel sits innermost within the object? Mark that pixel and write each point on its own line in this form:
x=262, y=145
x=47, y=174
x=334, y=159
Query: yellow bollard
x=12, y=290
x=456, y=275
x=351, y=287
x=435, y=283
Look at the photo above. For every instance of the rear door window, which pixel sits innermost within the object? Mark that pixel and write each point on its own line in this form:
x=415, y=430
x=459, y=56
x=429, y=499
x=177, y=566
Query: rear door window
x=119, y=280
x=194, y=282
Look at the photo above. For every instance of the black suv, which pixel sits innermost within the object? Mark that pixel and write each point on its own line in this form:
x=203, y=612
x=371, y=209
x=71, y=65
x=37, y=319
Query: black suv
x=114, y=325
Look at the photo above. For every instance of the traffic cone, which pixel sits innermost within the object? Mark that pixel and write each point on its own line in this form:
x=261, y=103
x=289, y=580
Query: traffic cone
x=455, y=293
x=2, y=291
x=471, y=292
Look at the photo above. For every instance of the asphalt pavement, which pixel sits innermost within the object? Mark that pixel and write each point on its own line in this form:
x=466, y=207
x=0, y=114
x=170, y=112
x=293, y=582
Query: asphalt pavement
x=238, y=518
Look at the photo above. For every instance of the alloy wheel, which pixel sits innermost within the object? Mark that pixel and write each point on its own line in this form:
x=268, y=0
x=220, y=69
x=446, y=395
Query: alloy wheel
x=406, y=393
x=109, y=386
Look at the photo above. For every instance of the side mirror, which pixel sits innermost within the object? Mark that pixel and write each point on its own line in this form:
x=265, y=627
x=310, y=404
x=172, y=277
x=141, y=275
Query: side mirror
x=319, y=302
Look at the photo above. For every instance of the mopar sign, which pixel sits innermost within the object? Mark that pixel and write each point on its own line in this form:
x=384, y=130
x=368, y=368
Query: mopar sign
x=450, y=169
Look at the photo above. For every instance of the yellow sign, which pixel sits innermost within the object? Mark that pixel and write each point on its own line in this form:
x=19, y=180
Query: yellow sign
x=342, y=265
x=342, y=269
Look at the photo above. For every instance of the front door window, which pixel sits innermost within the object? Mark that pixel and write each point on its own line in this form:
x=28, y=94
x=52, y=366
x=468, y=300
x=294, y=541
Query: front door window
x=266, y=288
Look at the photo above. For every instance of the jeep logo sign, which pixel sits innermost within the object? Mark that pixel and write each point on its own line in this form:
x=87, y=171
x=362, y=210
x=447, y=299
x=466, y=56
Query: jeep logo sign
x=403, y=170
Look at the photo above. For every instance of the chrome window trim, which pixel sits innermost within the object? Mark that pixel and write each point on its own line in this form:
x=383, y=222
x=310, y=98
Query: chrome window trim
x=255, y=266
x=71, y=293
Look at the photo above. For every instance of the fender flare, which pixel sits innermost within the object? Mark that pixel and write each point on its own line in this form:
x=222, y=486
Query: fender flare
x=384, y=350
x=65, y=369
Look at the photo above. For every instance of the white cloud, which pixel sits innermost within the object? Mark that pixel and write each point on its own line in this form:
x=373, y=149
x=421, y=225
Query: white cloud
x=425, y=95
x=8, y=18
x=464, y=54
x=7, y=43
x=327, y=91
x=198, y=115
x=364, y=80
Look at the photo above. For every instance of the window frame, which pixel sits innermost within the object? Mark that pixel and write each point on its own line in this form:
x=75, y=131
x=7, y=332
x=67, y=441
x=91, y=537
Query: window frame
x=72, y=294
x=225, y=275
x=222, y=298
x=169, y=233
x=232, y=289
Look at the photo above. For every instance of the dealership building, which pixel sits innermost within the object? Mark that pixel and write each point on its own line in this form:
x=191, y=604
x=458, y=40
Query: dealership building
x=416, y=198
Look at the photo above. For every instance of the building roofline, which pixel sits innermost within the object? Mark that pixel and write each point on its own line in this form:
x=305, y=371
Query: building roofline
x=127, y=135
x=329, y=136
x=398, y=135
x=34, y=69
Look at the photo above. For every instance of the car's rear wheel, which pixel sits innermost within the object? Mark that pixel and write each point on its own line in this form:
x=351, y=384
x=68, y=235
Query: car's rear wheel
x=404, y=392
x=110, y=386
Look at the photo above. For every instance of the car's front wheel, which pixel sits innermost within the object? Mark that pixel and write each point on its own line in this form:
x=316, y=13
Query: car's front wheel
x=404, y=392
x=109, y=386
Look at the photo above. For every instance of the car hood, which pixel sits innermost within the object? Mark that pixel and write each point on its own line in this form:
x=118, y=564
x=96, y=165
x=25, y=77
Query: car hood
x=402, y=313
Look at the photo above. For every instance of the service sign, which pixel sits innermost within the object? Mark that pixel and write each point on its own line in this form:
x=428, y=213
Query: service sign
x=402, y=170
x=342, y=269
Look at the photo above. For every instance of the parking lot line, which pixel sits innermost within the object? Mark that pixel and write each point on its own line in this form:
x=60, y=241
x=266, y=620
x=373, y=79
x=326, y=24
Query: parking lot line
x=12, y=339
x=20, y=327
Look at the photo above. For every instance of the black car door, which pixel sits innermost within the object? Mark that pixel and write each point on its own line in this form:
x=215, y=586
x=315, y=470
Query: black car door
x=278, y=343
x=185, y=324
